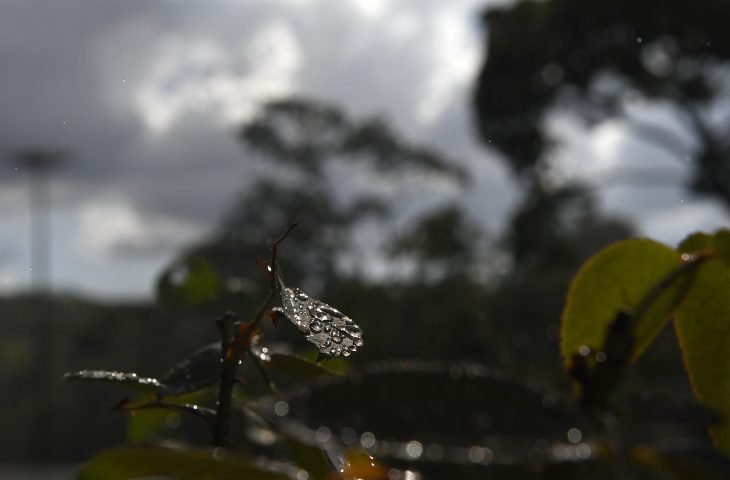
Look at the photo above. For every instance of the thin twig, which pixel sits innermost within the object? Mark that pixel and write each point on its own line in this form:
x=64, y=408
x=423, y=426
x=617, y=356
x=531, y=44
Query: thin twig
x=273, y=279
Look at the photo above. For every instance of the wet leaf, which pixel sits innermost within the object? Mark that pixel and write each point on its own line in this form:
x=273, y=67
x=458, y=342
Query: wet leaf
x=703, y=328
x=297, y=367
x=146, y=423
x=132, y=462
x=616, y=279
x=128, y=379
x=332, y=332
x=200, y=370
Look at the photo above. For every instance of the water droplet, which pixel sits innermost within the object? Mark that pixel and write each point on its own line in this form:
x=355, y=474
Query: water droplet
x=353, y=331
x=302, y=296
x=328, y=343
x=346, y=353
x=583, y=451
x=281, y=408
x=328, y=328
x=434, y=451
x=358, y=342
x=335, y=352
x=332, y=311
x=173, y=420
x=574, y=435
x=315, y=326
x=367, y=440
x=414, y=449
x=323, y=434
x=477, y=454
x=549, y=401
x=219, y=453
x=348, y=435
x=336, y=337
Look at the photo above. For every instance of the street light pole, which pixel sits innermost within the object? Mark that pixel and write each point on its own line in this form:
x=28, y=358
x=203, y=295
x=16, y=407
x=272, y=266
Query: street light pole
x=38, y=163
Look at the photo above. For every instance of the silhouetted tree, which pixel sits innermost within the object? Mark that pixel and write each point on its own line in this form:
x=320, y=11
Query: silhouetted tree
x=593, y=58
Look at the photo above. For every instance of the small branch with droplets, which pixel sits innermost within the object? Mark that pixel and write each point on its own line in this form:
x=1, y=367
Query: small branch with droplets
x=234, y=345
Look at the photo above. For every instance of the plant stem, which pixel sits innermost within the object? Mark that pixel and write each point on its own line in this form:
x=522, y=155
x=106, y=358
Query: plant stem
x=232, y=352
x=222, y=424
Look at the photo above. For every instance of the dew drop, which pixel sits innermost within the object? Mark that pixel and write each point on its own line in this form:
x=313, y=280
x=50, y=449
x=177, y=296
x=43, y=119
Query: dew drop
x=414, y=449
x=315, y=326
x=574, y=435
x=281, y=408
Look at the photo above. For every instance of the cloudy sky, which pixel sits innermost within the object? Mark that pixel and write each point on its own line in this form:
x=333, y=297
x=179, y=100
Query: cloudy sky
x=145, y=96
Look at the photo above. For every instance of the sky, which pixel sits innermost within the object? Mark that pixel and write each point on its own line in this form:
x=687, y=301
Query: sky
x=145, y=97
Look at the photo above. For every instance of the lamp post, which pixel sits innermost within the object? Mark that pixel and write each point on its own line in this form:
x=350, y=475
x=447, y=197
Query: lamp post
x=38, y=163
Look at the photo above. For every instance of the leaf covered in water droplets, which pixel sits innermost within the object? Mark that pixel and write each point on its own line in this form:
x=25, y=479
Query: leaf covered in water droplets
x=332, y=332
x=146, y=384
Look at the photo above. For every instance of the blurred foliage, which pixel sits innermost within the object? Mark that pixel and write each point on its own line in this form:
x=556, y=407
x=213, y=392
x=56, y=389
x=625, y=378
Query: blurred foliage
x=593, y=60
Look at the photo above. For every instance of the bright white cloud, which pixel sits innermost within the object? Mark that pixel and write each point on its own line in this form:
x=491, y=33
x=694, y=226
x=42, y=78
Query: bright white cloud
x=110, y=227
x=456, y=56
x=202, y=76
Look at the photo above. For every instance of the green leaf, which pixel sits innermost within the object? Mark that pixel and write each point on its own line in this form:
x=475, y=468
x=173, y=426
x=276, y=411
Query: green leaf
x=146, y=422
x=722, y=245
x=703, y=329
x=696, y=242
x=618, y=278
x=200, y=370
x=132, y=462
x=142, y=425
x=297, y=367
x=138, y=382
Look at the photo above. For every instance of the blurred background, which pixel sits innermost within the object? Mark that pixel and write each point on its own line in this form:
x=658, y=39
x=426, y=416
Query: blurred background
x=451, y=164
